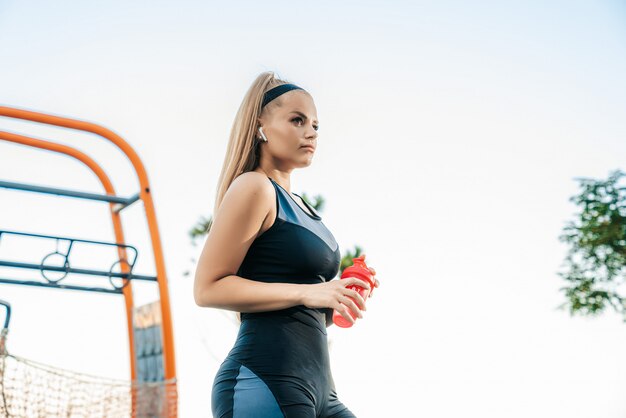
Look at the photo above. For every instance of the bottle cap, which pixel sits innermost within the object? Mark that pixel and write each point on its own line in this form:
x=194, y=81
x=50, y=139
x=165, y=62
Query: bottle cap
x=359, y=270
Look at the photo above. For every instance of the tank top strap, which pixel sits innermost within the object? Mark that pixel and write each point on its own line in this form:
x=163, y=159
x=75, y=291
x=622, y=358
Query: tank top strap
x=291, y=207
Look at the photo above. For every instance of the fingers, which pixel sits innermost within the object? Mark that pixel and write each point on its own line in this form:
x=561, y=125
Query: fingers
x=357, y=298
x=353, y=281
x=376, y=284
x=349, y=309
x=345, y=312
x=353, y=309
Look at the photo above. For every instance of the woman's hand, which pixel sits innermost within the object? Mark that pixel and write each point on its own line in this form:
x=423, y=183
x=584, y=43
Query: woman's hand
x=336, y=295
x=371, y=269
x=376, y=282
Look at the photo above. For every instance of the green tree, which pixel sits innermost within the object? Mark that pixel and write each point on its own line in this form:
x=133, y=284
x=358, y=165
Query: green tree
x=203, y=225
x=596, y=260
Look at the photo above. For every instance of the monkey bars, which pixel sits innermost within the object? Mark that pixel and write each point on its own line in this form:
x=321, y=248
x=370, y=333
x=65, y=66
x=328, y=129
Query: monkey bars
x=116, y=205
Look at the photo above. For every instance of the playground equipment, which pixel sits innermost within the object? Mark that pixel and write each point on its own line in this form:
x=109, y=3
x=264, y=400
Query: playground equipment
x=30, y=389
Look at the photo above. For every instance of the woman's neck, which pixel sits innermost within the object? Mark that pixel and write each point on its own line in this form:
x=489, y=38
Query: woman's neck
x=283, y=179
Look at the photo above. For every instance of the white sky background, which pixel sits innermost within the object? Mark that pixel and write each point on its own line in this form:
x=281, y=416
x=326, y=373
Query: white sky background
x=450, y=137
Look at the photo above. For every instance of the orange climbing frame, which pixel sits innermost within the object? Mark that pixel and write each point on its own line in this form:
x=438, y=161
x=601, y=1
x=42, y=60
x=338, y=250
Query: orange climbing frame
x=169, y=362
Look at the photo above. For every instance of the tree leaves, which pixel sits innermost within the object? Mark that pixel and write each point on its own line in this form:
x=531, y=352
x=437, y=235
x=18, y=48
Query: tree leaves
x=200, y=229
x=318, y=204
x=596, y=260
x=346, y=260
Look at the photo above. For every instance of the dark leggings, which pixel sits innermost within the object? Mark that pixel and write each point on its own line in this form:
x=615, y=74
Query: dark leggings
x=239, y=393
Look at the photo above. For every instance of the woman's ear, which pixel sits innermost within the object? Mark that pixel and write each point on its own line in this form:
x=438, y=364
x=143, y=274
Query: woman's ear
x=260, y=130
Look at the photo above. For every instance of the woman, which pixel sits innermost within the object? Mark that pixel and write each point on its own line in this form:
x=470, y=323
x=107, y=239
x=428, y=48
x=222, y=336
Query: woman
x=269, y=256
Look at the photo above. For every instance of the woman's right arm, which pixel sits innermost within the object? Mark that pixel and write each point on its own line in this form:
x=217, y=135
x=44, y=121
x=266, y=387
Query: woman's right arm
x=235, y=226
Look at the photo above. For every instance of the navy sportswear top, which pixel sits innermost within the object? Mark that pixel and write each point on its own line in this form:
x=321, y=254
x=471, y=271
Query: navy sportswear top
x=286, y=349
x=297, y=248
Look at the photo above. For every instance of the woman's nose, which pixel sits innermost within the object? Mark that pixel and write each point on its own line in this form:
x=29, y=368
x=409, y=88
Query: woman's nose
x=311, y=133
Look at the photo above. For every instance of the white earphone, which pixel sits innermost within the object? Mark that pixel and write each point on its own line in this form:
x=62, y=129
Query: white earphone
x=262, y=134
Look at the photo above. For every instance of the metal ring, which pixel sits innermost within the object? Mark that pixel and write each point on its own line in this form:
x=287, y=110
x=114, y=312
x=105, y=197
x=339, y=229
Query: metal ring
x=66, y=265
x=127, y=281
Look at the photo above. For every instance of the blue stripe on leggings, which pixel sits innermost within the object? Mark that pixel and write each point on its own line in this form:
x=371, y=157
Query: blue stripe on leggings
x=253, y=398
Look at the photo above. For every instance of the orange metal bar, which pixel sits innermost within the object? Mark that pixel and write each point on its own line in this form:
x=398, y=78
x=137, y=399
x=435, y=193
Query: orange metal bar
x=168, y=337
x=115, y=217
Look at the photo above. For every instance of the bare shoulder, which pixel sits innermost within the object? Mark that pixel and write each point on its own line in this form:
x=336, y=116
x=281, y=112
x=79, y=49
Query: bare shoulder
x=255, y=185
x=253, y=177
x=250, y=193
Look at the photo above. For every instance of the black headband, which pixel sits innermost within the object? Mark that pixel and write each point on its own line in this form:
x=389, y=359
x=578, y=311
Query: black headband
x=271, y=94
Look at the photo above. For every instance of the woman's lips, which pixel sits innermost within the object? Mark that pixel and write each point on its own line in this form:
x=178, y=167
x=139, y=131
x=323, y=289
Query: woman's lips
x=307, y=147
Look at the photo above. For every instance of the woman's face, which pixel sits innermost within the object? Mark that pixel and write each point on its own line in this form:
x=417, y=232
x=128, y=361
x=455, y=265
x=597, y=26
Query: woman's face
x=289, y=125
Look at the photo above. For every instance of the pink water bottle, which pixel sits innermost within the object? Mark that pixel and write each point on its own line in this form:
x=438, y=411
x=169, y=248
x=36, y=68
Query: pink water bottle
x=359, y=270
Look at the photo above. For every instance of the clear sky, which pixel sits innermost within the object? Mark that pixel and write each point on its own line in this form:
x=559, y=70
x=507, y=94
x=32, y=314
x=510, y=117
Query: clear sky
x=450, y=136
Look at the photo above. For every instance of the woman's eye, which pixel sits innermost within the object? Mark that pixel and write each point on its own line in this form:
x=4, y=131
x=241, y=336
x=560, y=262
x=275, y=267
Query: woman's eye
x=316, y=127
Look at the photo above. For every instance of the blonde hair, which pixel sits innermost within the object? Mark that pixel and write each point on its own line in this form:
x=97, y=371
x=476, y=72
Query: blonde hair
x=243, y=151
